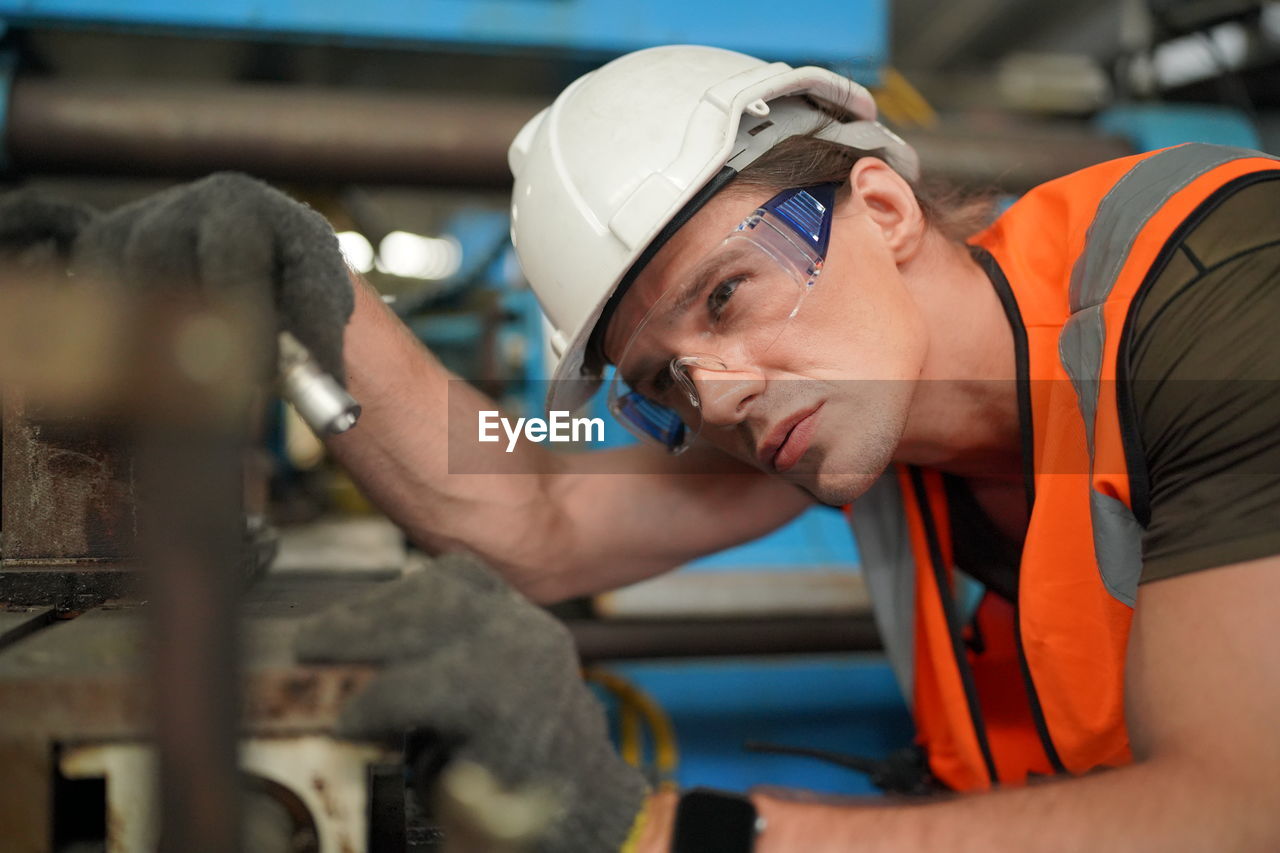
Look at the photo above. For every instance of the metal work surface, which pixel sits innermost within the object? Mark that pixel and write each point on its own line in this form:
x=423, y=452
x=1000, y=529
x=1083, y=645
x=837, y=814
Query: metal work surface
x=18, y=622
x=854, y=33
x=89, y=679
x=85, y=679
x=76, y=702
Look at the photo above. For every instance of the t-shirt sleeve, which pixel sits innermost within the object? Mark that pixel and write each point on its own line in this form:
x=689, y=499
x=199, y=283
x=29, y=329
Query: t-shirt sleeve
x=1204, y=370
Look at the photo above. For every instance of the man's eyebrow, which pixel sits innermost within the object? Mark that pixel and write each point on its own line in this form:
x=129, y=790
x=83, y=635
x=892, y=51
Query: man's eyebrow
x=699, y=279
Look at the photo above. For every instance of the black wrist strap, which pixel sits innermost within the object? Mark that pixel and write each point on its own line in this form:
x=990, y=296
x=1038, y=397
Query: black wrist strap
x=710, y=821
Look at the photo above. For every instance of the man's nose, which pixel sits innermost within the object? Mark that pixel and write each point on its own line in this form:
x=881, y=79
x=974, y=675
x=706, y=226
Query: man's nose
x=724, y=395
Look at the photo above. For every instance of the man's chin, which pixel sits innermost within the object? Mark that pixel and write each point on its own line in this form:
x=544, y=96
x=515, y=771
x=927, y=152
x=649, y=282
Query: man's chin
x=837, y=487
x=839, y=491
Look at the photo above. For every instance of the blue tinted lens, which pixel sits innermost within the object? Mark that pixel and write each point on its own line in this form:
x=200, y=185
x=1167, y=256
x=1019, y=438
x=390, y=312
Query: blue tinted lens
x=808, y=211
x=658, y=422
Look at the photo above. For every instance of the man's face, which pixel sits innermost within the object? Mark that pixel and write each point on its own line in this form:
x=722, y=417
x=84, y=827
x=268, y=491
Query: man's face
x=819, y=398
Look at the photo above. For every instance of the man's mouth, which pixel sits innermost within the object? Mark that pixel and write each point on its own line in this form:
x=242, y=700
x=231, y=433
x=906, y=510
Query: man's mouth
x=788, y=441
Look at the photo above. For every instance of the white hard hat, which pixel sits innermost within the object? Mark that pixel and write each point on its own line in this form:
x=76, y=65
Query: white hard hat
x=621, y=155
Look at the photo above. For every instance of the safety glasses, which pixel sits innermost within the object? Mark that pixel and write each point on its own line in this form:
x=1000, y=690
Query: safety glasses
x=729, y=311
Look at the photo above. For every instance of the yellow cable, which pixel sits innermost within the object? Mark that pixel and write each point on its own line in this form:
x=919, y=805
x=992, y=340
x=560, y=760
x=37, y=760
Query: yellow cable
x=630, y=737
x=631, y=740
x=632, y=700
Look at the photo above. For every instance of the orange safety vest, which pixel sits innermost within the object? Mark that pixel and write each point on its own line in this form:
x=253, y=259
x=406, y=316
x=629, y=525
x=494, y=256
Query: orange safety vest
x=1043, y=692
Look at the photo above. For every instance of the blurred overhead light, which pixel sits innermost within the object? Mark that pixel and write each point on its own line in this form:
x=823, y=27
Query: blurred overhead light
x=415, y=256
x=1052, y=82
x=1200, y=56
x=1271, y=21
x=357, y=250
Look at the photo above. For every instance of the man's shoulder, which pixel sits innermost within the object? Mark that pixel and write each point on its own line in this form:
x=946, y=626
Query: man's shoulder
x=1202, y=383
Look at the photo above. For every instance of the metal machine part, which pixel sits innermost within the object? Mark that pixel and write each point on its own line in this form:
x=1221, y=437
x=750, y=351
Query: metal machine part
x=69, y=498
x=324, y=404
x=77, y=701
x=302, y=794
x=67, y=510
x=67, y=505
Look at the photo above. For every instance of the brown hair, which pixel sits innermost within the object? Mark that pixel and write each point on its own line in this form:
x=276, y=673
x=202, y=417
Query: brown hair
x=805, y=160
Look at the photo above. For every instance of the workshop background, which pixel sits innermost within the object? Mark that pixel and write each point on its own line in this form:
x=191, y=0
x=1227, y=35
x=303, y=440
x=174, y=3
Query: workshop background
x=392, y=118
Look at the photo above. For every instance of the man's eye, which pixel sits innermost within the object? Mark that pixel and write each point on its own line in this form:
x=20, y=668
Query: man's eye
x=720, y=295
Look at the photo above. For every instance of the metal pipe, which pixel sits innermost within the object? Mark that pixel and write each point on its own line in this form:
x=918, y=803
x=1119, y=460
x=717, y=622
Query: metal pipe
x=1012, y=159
x=628, y=639
x=273, y=131
x=286, y=132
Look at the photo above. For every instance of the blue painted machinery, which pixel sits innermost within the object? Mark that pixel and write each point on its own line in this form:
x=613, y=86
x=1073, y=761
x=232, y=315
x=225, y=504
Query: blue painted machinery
x=853, y=36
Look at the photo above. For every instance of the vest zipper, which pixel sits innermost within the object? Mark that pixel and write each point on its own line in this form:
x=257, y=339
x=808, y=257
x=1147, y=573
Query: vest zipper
x=1023, y=373
x=1037, y=712
x=953, y=624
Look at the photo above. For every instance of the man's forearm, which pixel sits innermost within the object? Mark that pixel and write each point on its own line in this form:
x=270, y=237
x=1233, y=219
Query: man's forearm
x=555, y=524
x=401, y=452
x=1164, y=806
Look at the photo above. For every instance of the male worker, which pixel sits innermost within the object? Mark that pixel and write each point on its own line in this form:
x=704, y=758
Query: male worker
x=1077, y=404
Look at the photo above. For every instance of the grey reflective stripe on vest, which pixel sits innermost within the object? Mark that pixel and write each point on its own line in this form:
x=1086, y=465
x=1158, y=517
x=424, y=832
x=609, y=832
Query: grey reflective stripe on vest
x=884, y=545
x=1121, y=216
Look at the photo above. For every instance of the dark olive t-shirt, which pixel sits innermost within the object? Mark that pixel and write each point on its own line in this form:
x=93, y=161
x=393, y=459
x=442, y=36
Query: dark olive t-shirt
x=1204, y=380
x=1201, y=382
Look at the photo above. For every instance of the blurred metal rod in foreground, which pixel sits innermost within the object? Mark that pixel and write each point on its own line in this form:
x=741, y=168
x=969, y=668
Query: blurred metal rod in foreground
x=198, y=364
x=170, y=379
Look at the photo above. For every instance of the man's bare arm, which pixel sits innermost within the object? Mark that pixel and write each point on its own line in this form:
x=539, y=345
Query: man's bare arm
x=567, y=524
x=1203, y=692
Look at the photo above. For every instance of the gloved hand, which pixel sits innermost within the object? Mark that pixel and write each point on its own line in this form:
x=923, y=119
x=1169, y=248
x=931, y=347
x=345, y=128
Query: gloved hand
x=222, y=234
x=472, y=660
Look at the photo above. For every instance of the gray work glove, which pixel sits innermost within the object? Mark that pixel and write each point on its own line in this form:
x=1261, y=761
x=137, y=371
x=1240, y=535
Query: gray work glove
x=472, y=660
x=227, y=233
x=37, y=231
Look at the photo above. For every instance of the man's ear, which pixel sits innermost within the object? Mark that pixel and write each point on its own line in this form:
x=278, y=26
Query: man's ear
x=891, y=203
